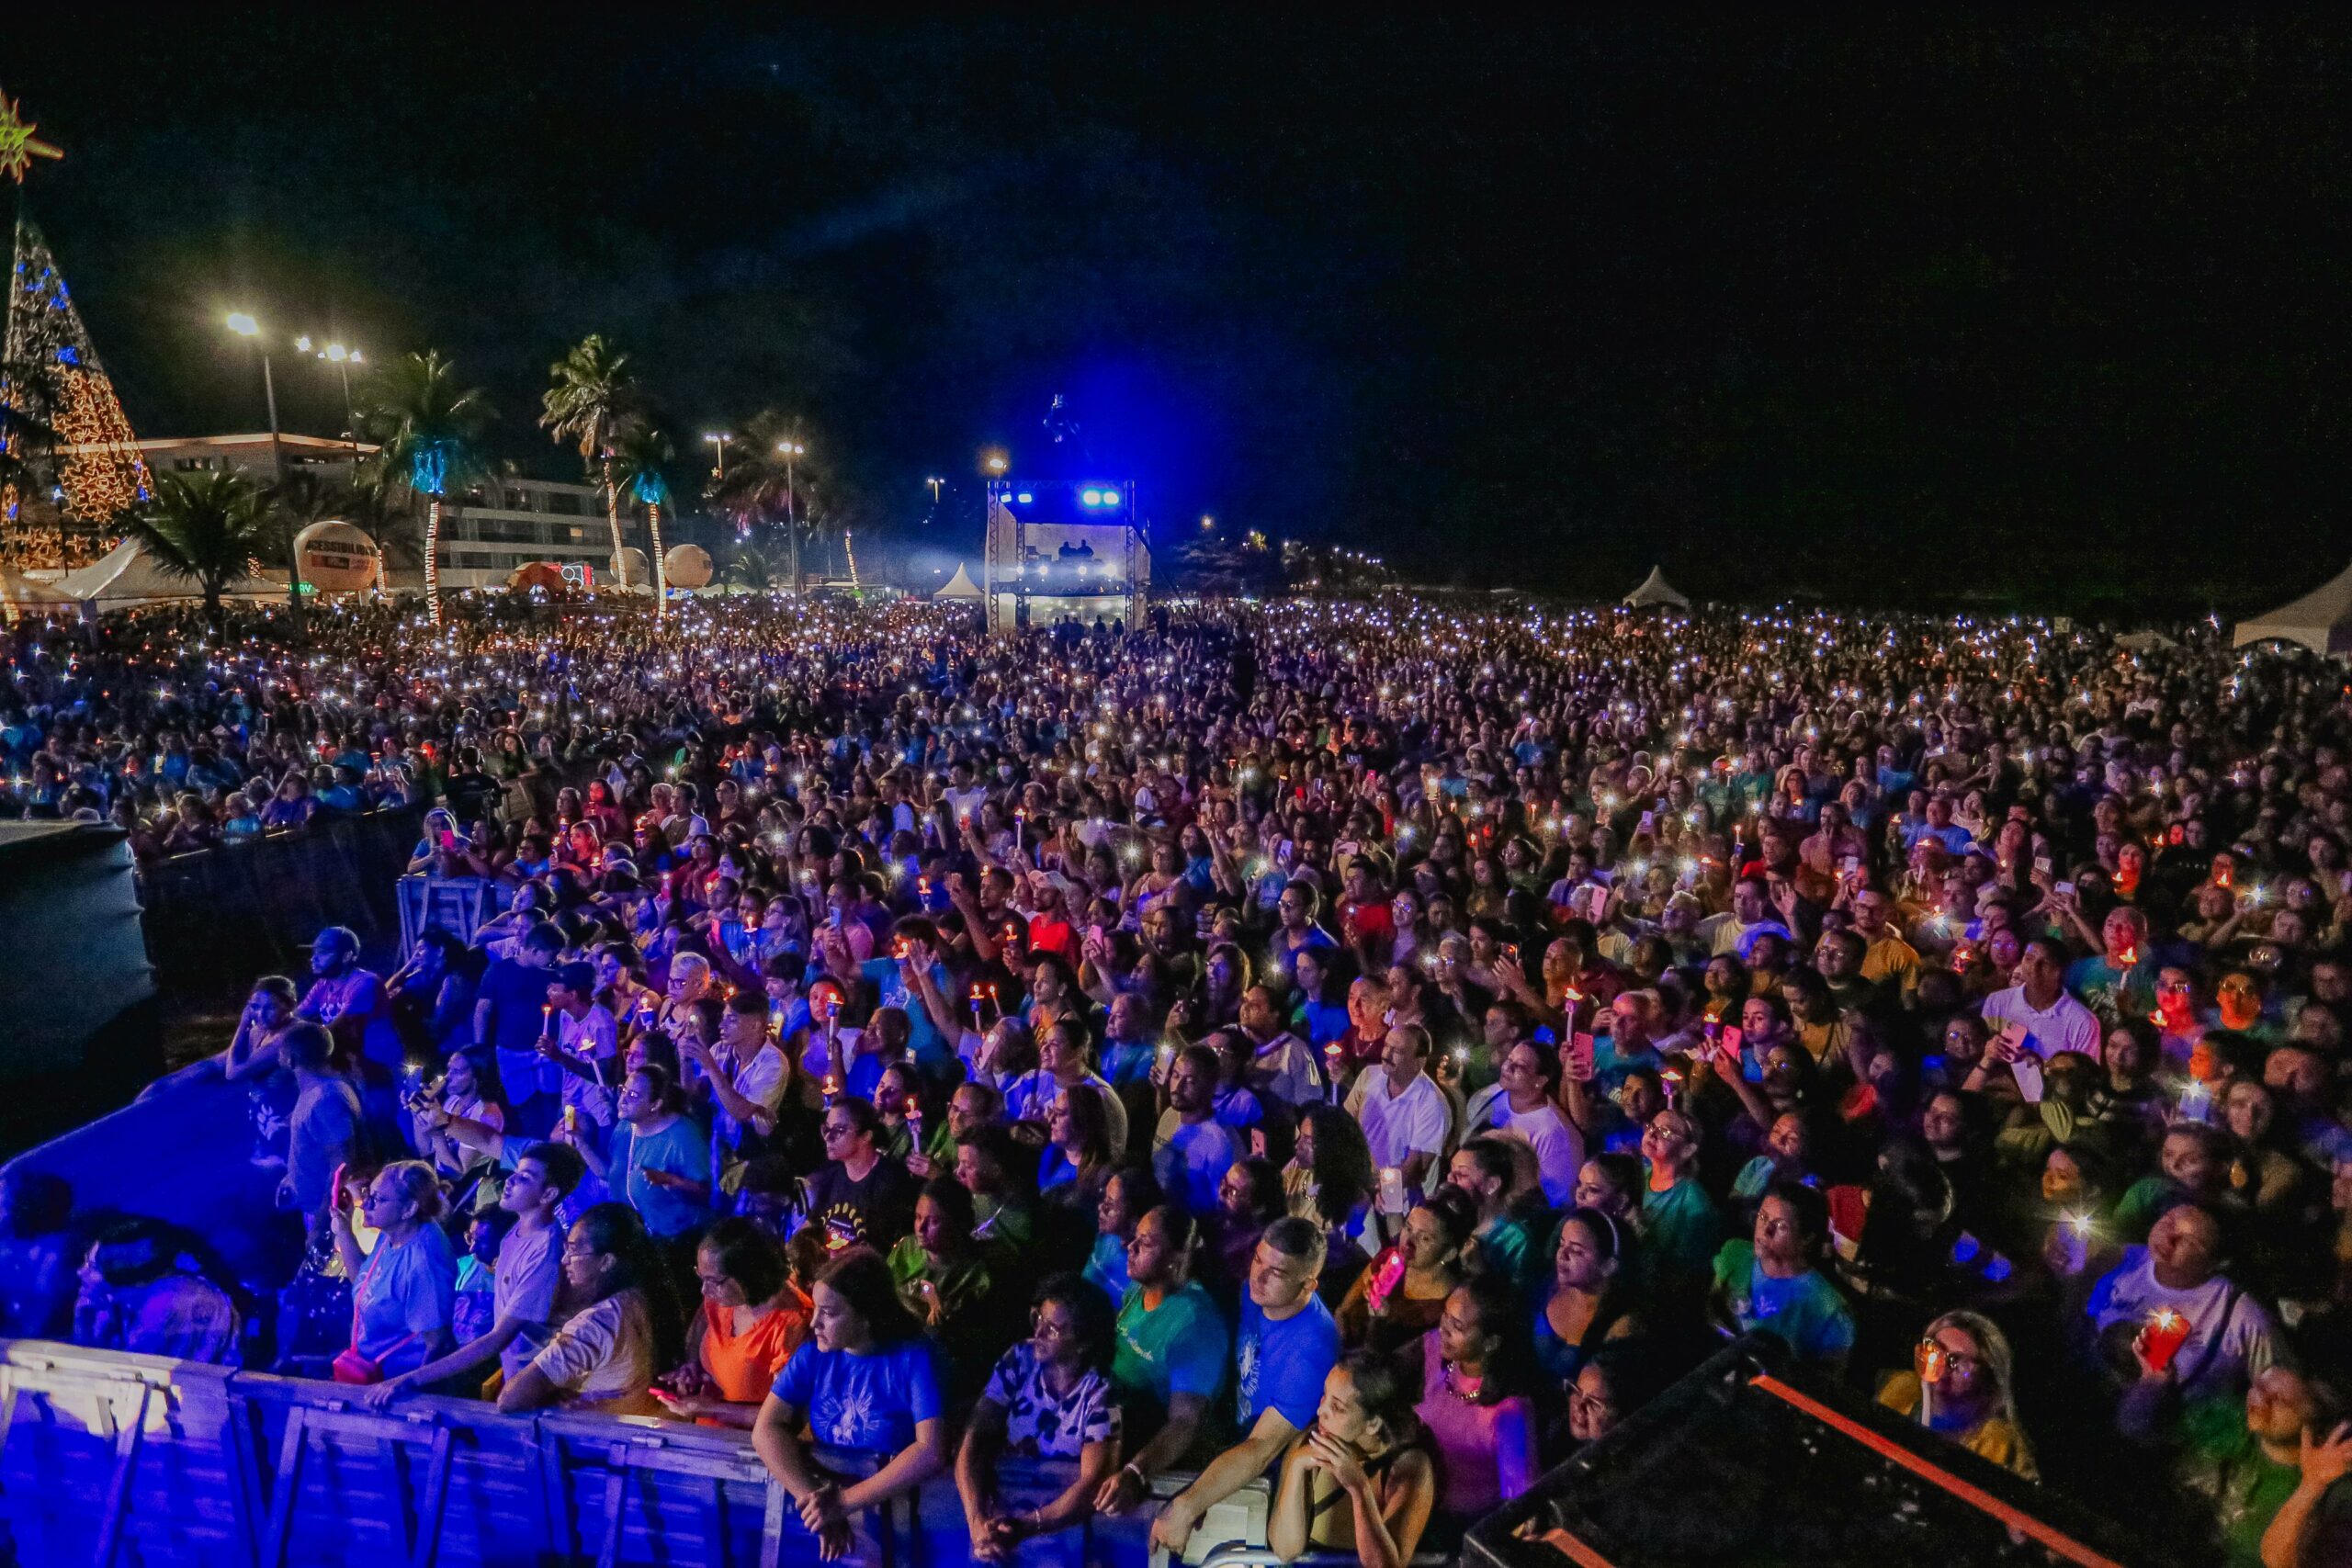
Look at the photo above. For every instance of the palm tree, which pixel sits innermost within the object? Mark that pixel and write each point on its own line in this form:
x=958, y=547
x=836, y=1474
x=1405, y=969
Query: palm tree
x=750, y=568
x=639, y=463
x=208, y=526
x=380, y=504
x=761, y=486
x=429, y=429
x=296, y=501
x=593, y=403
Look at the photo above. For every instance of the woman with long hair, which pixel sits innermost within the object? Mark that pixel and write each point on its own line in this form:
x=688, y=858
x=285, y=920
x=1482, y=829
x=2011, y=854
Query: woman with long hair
x=1401, y=1297
x=621, y=1325
x=1593, y=1300
x=1961, y=1387
x=469, y=1091
x=1078, y=1157
x=1480, y=1423
x=864, y=1380
x=1360, y=1478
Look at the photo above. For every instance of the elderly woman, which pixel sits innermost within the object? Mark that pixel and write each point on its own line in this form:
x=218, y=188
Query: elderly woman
x=752, y=1319
x=621, y=1328
x=1049, y=1397
x=403, y=1291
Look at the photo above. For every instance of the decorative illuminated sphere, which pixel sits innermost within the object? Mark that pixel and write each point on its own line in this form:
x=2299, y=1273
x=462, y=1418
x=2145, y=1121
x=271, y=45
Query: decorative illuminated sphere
x=535, y=574
x=640, y=571
x=338, y=558
x=686, y=566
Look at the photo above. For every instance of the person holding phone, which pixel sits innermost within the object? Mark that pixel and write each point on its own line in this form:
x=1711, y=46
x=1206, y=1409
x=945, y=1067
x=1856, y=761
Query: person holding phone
x=657, y=1160
x=750, y=1321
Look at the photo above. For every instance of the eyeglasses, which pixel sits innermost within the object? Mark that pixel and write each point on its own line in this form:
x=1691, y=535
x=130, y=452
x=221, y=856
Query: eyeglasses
x=1589, y=1404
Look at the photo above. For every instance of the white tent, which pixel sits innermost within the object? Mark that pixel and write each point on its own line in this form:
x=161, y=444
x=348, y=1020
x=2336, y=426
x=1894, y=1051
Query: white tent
x=960, y=587
x=1655, y=590
x=2320, y=620
x=20, y=595
x=128, y=575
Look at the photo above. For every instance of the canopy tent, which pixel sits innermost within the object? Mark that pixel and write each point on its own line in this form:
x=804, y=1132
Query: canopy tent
x=2320, y=620
x=960, y=586
x=21, y=595
x=129, y=575
x=1654, y=591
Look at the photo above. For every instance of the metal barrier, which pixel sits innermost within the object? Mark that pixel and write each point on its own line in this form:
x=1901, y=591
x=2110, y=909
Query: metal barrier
x=217, y=918
x=111, y=1459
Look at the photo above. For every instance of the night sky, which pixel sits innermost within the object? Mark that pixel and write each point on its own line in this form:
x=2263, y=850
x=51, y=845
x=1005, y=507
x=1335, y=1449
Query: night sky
x=2047, y=313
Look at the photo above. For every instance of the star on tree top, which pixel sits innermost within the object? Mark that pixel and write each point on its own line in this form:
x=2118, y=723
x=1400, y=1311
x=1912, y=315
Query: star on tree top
x=18, y=146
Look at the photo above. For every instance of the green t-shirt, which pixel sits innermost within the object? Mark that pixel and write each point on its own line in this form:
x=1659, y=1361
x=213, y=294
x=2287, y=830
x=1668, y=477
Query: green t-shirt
x=2221, y=1461
x=1681, y=1228
x=1806, y=1312
x=1510, y=1251
x=1180, y=1346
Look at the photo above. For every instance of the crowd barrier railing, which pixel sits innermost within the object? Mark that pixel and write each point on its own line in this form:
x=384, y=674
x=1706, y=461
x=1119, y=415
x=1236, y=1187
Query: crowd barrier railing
x=217, y=918
x=108, y=1458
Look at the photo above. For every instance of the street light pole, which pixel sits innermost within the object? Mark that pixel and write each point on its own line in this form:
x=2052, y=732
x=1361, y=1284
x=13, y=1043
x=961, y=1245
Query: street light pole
x=792, y=451
x=343, y=359
x=243, y=323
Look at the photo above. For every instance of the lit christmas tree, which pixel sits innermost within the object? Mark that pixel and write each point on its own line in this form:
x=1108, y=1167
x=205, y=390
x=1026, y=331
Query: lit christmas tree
x=69, y=460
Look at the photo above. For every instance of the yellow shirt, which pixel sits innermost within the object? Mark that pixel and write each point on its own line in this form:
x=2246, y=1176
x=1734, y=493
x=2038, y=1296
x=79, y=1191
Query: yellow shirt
x=1825, y=1040
x=1991, y=1440
x=1890, y=956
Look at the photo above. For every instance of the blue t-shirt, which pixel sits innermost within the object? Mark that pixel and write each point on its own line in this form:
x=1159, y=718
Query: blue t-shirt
x=679, y=1148
x=871, y=1402
x=934, y=1056
x=1124, y=1064
x=1106, y=1267
x=1282, y=1365
x=518, y=998
x=1192, y=1164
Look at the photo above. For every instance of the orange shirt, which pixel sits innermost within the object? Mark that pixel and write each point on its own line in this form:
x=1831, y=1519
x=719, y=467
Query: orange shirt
x=743, y=1369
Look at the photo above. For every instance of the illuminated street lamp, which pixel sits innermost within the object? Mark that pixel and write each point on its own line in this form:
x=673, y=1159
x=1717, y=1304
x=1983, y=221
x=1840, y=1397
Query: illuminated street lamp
x=343, y=359
x=995, y=463
x=243, y=323
x=719, y=440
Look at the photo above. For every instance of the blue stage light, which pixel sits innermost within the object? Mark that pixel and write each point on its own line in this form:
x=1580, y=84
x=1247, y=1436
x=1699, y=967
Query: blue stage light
x=1025, y=498
x=1110, y=498
x=1090, y=497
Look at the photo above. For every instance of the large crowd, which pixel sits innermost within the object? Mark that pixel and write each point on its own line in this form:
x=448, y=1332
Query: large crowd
x=1370, y=1045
